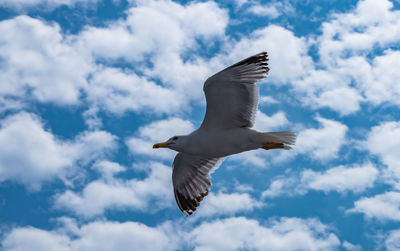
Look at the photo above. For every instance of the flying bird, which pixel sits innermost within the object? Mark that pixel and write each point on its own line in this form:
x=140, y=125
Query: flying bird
x=232, y=100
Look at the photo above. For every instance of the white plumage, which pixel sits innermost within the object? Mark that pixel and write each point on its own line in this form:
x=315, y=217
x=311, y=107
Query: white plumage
x=232, y=100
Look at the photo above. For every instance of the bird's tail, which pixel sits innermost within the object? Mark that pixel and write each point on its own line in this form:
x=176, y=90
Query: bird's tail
x=278, y=140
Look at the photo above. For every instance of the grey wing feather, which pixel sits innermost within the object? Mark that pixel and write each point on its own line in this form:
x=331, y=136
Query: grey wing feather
x=191, y=180
x=232, y=96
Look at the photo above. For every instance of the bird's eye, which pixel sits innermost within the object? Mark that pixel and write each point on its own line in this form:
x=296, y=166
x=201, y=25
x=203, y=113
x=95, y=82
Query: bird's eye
x=175, y=138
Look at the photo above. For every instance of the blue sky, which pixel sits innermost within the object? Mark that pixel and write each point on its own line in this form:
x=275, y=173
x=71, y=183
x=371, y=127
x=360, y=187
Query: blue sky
x=87, y=86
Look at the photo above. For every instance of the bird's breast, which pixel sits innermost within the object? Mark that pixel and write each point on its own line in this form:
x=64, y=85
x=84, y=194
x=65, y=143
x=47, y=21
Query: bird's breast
x=222, y=143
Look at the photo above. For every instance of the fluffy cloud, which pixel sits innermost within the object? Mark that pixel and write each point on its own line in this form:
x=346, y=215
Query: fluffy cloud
x=284, y=234
x=25, y=4
x=30, y=238
x=384, y=141
x=117, y=91
x=228, y=234
x=110, y=192
x=371, y=23
x=351, y=247
x=270, y=10
x=316, y=84
x=44, y=67
x=286, y=64
x=328, y=88
x=64, y=69
x=33, y=153
x=384, y=206
x=157, y=34
x=93, y=236
x=339, y=179
x=343, y=77
x=347, y=77
x=323, y=143
x=288, y=186
x=36, y=155
x=265, y=123
x=380, y=85
x=227, y=204
x=158, y=131
x=340, y=81
x=392, y=242
x=156, y=26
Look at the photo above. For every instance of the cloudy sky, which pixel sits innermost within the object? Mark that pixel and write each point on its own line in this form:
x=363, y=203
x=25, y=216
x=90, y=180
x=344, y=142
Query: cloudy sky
x=87, y=86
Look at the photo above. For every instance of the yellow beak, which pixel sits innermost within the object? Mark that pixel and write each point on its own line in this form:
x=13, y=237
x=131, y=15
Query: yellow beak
x=161, y=145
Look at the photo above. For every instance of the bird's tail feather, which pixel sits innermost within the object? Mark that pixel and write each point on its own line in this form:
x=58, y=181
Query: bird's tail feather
x=276, y=140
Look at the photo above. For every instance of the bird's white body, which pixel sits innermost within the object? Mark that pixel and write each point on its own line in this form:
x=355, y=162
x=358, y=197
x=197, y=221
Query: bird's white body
x=221, y=143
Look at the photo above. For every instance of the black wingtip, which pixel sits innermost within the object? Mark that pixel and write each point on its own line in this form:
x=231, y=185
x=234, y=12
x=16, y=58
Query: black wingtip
x=188, y=206
x=261, y=59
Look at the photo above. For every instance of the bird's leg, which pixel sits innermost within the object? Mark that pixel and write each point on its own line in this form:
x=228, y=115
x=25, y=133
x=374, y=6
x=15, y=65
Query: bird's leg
x=272, y=145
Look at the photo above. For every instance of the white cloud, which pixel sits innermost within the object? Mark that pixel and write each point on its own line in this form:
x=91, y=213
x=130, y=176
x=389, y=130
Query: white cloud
x=164, y=129
x=265, y=123
x=91, y=145
x=227, y=234
x=158, y=131
x=25, y=4
x=288, y=59
x=384, y=141
x=108, y=169
x=29, y=238
x=227, y=204
x=345, y=76
x=351, y=247
x=44, y=67
x=383, y=86
x=340, y=81
x=240, y=3
x=328, y=88
x=122, y=236
x=284, y=186
x=284, y=234
x=10, y=104
x=271, y=10
x=97, y=235
x=339, y=179
x=108, y=193
x=392, y=242
x=117, y=91
x=344, y=100
x=255, y=158
x=30, y=155
x=323, y=143
x=267, y=100
x=159, y=32
x=60, y=68
x=383, y=207
x=371, y=23
x=315, y=86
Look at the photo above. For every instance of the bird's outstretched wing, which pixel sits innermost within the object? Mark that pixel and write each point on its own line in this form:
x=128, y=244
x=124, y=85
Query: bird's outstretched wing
x=191, y=180
x=232, y=96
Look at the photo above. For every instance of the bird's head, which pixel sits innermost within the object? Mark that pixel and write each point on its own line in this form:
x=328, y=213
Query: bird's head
x=175, y=143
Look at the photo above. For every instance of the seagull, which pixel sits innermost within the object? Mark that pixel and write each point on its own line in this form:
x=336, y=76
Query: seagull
x=232, y=100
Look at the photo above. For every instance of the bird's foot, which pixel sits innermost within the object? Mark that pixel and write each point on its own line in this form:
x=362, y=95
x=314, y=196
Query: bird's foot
x=272, y=145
